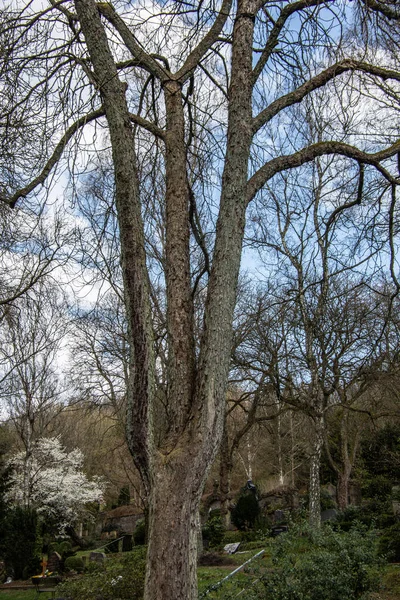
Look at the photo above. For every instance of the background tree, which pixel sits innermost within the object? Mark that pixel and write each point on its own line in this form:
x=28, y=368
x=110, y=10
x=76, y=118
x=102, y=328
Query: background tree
x=31, y=390
x=56, y=487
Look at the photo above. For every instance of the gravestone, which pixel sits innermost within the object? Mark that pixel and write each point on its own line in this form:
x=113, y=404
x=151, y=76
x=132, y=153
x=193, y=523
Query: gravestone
x=279, y=516
x=54, y=563
x=231, y=548
x=98, y=557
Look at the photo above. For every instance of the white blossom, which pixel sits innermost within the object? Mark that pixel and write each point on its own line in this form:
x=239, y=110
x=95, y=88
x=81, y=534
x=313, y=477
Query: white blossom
x=58, y=487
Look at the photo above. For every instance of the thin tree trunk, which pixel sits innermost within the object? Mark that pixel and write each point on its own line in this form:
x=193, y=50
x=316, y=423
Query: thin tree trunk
x=279, y=449
x=225, y=469
x=292, y=451
x=314, y=490
x=76, y=538
x=342, y=490
x=27, y=468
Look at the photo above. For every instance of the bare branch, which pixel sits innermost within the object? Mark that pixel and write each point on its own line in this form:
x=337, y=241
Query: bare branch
x=317, y=82
x=144, y=59
x=205, y=44
x=138, y=120
x=279, y=24
x=382, y=8
x=291, y=161
x=55, y=157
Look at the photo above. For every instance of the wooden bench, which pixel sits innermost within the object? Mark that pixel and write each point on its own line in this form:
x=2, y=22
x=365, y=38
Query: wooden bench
x=45, y=585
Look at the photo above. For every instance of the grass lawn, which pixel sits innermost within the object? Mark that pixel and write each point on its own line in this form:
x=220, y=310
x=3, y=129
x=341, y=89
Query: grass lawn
x=19, y=595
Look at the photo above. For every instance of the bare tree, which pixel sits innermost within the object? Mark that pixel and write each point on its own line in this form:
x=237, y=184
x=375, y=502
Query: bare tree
x=86, y=62
x=32, y=246
x=30, y=387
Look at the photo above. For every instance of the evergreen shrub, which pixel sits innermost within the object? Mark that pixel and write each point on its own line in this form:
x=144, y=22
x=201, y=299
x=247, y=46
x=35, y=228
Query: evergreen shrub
x=213, y=531
x=246, y=511
x=22, y=543
x=311, y=565
x=74, y=563
x=232, y=537
x=389, y=543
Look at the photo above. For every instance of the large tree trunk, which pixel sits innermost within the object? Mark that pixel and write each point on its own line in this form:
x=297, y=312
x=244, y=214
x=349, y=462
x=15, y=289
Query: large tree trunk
x=172, y=551
x=174, y=471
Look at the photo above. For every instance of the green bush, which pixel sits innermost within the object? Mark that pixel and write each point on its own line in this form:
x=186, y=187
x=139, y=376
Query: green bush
x=213, y=531
x=63, y=548
x=389, y=543
x=121, y=578
x=373, y=513
x=93, y=567
x=231, y=537
x=74, y=563
x=323, y=564
x=246, y=511
x=250, y=536
x=22, y=543
x=262, y=525
x=346, y=519
x=379, y=488
x=33, y=566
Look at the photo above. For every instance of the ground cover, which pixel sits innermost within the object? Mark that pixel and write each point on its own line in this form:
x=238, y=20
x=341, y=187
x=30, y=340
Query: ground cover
x=248, y=582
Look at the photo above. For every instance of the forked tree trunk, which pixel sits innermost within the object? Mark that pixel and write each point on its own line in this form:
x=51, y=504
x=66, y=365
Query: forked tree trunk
x=174, y=472
x=343, y=467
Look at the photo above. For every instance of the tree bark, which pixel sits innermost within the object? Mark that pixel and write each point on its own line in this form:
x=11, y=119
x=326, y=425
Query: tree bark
x=172, y=551
x=314, y=491
x=181, y=358
x=342, y=490
x=225, y=469
x=133, y=256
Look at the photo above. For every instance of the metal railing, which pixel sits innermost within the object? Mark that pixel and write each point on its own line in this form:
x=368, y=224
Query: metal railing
x=217, y=585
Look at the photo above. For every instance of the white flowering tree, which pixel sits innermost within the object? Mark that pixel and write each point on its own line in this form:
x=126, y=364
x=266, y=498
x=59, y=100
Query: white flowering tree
x=56, y=485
